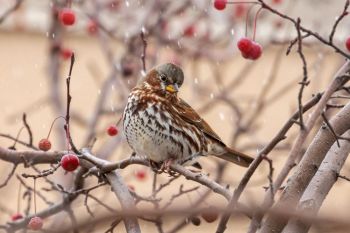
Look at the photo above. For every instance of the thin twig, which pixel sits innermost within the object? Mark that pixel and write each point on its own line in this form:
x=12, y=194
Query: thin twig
x=143, y=55
x=343, y=14
x=26, y=125
x=162, y=186
x=9, y=176
x=178, y=194
x=344, y=177
x=270, y=177
x=114, y=224
x=69, y=99
x=87, y=206
x=303, y=29
x=18, y=141
x=101, y=203
x=293, y=42
x=304, y=81
x=330, y=127
x=43, y=173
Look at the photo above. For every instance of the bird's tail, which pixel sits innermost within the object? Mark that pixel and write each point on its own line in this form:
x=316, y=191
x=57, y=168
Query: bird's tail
x=236, y=157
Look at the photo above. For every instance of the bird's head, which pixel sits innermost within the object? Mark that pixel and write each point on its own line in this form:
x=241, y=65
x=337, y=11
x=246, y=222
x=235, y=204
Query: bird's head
x=166, y=77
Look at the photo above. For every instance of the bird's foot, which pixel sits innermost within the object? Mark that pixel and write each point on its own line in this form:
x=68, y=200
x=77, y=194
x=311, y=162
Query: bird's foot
x=166, y=167
x=166, y=164
x=156, y=167
x=162, y=167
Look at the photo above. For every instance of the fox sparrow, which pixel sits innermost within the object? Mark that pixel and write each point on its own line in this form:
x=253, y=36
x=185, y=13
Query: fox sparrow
x=163, y=127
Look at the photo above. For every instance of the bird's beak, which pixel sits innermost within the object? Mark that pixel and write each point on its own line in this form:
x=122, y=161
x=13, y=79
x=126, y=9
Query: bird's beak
x=172, y=88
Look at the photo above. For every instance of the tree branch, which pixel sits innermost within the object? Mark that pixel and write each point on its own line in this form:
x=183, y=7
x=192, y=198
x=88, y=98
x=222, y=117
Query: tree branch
x=126, y=201
x=307, y=167
x=320, y=185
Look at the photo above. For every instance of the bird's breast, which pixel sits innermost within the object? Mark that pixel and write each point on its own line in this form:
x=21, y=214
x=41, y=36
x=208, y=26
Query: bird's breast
x=154, y=131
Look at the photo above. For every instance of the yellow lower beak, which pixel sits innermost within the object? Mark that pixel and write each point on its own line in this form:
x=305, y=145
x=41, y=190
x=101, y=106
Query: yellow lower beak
x=171, y=88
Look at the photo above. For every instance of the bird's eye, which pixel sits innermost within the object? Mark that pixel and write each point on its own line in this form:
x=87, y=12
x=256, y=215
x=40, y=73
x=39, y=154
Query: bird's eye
x=163, y=77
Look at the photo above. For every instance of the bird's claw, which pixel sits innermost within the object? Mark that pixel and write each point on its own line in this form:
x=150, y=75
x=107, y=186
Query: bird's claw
x=156, y=167
x=166, y=167
x=162, y=167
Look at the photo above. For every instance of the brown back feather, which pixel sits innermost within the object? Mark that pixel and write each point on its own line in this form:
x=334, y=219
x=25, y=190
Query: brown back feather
x=191, y=116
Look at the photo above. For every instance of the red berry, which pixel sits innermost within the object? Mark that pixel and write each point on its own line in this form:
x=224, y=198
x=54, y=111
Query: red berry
x=209, y=216
x=245, y=45
x=256, y=51
x=141, y=174
x=112, y=130
x=44, y=144
x=69, y=162
x=245, y=55
x=220, y=4
x=92, y=27
x=347, y=43
x=66, y=53
x=35, y=223
x=189, y=31
x=249, y=49
x=16, y=216
x=67, y=16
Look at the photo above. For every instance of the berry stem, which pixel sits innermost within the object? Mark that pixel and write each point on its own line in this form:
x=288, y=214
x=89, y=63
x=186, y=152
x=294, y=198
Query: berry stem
x=48, y=135
x=247, y=20
x=19, y=197
x=255, y=21
x=120, y=119
x=35, y=196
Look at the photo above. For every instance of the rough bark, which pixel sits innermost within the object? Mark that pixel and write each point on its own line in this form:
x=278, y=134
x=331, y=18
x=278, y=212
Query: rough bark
x=320, y=185
x=306, y=169
x=295, y=152
x=126, y=201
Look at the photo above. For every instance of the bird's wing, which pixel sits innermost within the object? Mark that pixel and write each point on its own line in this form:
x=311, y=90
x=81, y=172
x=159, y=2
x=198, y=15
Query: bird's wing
x=188, y=114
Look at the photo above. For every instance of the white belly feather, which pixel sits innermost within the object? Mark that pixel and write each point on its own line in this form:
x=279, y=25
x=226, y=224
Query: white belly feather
x=151, y=132
x=146, y=138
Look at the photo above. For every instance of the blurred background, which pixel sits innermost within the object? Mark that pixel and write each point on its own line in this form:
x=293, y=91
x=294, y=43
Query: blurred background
x=246, y=102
